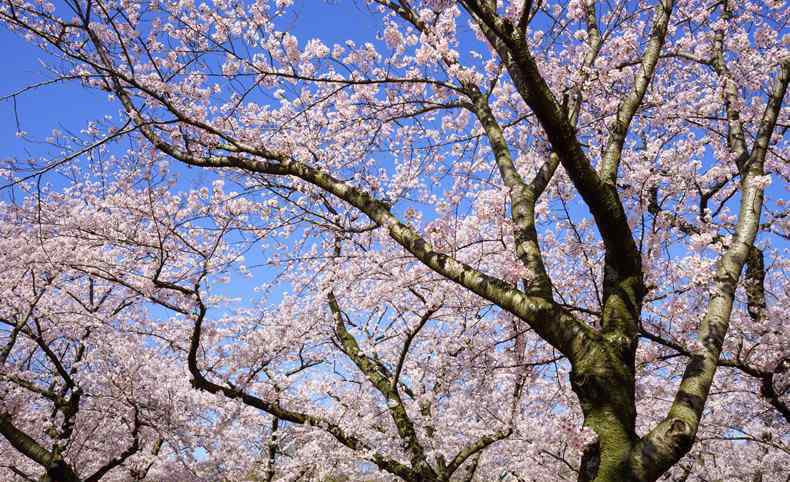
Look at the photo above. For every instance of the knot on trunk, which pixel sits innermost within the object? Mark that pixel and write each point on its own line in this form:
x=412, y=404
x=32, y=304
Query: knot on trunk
x=681, y=434
x=662, y=448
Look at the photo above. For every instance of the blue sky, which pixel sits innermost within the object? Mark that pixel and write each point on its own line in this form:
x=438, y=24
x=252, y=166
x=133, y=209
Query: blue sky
x=40, y=110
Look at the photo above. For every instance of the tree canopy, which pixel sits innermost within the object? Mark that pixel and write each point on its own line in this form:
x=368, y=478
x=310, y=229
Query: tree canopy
x=485, y=240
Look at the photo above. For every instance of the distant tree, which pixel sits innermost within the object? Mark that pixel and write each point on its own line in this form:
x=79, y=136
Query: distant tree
x=65, y=394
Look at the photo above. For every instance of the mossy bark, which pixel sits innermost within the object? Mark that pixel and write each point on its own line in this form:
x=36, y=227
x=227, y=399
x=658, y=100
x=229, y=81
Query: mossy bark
x=604, y=384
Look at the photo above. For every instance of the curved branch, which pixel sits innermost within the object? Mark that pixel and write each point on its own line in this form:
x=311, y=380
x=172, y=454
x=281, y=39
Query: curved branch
x=385, y=386
x=631, y=102
x=475, y=448
x=55, y=467
x=200, y=382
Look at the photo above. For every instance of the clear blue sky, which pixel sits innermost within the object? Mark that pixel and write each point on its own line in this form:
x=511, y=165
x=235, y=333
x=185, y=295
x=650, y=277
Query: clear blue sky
x=69, y=106
x=39, y=111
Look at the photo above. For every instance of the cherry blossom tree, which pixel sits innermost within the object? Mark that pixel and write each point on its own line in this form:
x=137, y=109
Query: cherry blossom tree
x=495, y=240
x=71, y=382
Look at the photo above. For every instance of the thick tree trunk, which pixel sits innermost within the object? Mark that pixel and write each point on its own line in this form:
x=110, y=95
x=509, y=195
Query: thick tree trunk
x=605, y=387
x=603, y=378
